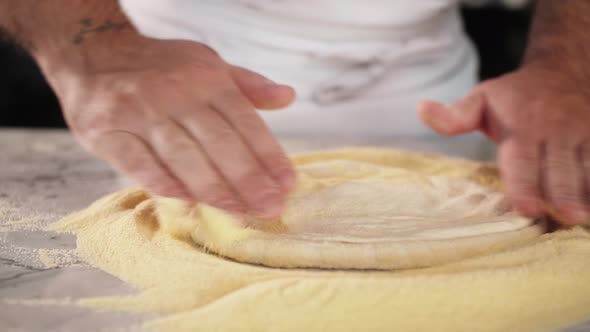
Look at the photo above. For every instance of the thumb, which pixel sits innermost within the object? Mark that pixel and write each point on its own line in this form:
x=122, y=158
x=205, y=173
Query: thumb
x=463, y=116
x=262, y=92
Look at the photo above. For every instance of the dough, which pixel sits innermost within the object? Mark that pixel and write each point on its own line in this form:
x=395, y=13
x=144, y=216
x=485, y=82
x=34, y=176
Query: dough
x=537, y=285
x=366, y=209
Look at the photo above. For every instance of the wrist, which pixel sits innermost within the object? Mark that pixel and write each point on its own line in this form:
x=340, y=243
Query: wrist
x=68, y=38
x=557, y=66
x=82, y=53
x=558, y=37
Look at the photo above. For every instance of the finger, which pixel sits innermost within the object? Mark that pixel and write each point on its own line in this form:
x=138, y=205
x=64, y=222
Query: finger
x=184, y=158
x=462, y=116
x=236, y=162
x=520, y=166
x=238, y=112
x=564, y=183
x=133, y=156
x=263, y=93
x=585, y=165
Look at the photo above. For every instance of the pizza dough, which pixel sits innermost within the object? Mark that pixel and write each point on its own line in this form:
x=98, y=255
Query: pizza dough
x=366, y=209
x=536, y=285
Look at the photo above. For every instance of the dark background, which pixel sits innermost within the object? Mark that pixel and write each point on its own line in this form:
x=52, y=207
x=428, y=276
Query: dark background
x=27, y=101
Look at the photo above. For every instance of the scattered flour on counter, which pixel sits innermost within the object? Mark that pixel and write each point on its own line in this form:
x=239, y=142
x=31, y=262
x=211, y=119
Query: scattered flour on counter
x=12, y=219
x=51, y=258
x=13, y=224
x=40, y=302
x=539, y=285
x=9, y=215
x=18, y=223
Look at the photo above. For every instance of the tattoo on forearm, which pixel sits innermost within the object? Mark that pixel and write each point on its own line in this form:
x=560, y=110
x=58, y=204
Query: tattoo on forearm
x=88, y=26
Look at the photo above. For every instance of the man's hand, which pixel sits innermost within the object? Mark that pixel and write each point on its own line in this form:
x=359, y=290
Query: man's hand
x=540, y=119
x=170, y=114
x=538, y=115
x=182, y=122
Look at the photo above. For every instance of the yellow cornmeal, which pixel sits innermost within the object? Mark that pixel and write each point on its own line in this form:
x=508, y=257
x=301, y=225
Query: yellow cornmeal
x=536, y=286
x=46, y=259
x=51, y=258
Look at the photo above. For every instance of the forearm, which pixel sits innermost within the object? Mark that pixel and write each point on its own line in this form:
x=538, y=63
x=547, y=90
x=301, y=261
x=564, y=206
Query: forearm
x=64, y=31
x=560, y=34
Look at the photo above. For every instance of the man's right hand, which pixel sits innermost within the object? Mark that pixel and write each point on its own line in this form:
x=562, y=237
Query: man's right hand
x=170, y=114
x=182, y=122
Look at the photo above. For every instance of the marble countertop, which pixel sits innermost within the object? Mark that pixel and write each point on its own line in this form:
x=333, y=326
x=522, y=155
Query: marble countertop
x=45, y=175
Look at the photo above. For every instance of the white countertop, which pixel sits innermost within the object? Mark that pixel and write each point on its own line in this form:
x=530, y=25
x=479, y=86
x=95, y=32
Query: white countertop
x=45, y=175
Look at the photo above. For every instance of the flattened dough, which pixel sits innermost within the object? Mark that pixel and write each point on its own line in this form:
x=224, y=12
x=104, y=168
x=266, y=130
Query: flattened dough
x=366, y=209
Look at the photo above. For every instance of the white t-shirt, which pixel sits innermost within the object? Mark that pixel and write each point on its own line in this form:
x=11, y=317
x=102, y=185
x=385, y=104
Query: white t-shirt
x=359, y=66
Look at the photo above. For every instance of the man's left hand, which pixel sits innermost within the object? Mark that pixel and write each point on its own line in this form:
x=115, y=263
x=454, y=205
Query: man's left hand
x=540, y=119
